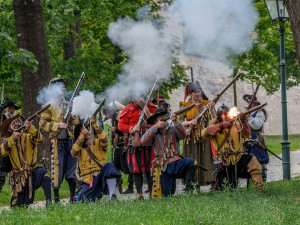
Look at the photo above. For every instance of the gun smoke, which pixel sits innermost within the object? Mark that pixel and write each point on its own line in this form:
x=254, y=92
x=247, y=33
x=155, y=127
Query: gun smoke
x=84, y=105
x=216, y=27
x=48, y=93
x=148, y=57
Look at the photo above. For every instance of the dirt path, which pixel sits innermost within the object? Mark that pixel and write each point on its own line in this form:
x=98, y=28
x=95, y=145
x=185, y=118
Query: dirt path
x=274, y=174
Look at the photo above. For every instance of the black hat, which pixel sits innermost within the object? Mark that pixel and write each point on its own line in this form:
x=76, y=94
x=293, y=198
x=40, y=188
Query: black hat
x=222, y=109
x=157, y=113
x=10, y=103
x=248, y=98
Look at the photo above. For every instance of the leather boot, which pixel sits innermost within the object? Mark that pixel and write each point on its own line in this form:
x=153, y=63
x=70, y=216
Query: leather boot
x=254, y=168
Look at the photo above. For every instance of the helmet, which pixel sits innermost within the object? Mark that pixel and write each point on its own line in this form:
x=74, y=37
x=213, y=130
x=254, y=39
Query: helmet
x=222, y=109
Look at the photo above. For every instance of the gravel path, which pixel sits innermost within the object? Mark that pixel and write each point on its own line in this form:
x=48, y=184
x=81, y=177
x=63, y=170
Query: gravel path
x=274, y=174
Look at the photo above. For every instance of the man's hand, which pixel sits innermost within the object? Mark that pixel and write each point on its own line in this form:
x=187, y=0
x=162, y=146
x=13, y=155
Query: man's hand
x=193, y=122
x=27, y=124
x=244, y=117
x=84, y=132
x=93, y=120
x=225, y=125
x=211, y=104
x=62, y=125
x=113, y=129
x=16, y=135
x=136, y=128
x=161, y=124
x=174, y=118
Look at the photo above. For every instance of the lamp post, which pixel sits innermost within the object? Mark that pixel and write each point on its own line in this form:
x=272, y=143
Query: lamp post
x=279, y=13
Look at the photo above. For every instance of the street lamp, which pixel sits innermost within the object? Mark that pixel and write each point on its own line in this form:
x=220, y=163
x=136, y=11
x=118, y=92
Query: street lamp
x=278, y=12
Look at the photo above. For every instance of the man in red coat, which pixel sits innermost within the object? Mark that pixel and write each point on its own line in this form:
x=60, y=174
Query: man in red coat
x=139, y=157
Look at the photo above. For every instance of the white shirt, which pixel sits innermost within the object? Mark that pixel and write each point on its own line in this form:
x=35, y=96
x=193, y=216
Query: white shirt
x=257, y=122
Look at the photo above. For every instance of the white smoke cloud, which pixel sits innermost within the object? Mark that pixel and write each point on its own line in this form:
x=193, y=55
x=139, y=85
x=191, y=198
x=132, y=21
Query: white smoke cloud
x=214, y=27
x=84, y=105
x=149, y=57
x=46, y=94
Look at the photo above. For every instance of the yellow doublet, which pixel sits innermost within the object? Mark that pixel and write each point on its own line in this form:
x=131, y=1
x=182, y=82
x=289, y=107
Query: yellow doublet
x=87, y=166
x=192, y=113
x=230, y=152
x=52, y=116
x=22, y=150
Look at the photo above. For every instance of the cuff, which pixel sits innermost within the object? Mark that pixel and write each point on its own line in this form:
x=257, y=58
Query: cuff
x=76, y=147
x=81, y=137
x=96, y=126
x=11, y=142
x=55, y=126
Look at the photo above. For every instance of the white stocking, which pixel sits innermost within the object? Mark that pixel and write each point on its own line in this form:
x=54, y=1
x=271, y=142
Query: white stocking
x=111, y=183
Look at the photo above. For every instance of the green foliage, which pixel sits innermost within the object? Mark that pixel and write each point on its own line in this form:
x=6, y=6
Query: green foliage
x=262, y=62
x=13, y=60
x=278, y=204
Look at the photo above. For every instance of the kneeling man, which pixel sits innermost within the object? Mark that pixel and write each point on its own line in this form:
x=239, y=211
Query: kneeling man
x=164, y=138
x=97, y=176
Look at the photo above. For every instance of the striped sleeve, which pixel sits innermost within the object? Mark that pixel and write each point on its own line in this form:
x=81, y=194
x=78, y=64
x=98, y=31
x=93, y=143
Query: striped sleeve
x=147, y=138
x=180, y=131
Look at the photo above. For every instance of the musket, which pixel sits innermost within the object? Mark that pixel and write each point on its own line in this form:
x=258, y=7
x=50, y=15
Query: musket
x=2, y=94
x=63, y=132
x=215, y=100
x=183, y=110
x=256, y=141
x=33, y=116
x=192, y=74
x=113, y=124
x=254, y=95
x=96, y=112
x=249, y=111
x=136, y=142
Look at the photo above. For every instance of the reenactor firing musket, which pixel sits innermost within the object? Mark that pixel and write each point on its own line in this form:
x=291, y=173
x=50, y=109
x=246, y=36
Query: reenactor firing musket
x=136, y=142
x=215, y=100
x=33, y=116
x=63, y=132
x=236, y=115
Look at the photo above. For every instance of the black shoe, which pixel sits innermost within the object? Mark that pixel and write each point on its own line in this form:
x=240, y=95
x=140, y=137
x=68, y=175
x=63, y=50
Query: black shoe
x=128, y=191
x=56, y=200
x=73, y=200
x=113, y=197
x=147, y=191
x=48, y=202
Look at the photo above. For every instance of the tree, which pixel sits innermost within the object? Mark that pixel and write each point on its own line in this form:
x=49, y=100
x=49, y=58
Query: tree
x=293, y=8
x=30, y=32
x=262, y=62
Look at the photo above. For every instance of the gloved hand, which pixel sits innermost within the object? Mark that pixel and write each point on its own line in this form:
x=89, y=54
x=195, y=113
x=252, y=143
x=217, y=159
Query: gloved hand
x=225, y=125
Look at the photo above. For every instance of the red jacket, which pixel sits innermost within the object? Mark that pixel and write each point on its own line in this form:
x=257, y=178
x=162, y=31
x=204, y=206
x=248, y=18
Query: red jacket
x=129, y=116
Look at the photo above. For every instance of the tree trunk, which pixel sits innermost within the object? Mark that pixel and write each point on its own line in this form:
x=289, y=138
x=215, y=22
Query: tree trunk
x=293, y=8
x=30, y=30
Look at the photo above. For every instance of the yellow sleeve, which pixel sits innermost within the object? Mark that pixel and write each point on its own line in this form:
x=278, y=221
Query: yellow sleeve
x=46, y=124
x=34, y=136
x=6, y=145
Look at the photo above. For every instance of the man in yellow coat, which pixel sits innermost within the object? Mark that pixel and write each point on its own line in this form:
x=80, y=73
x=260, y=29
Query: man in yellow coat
x=97, y=176
x=26, y=175
x=63, y=165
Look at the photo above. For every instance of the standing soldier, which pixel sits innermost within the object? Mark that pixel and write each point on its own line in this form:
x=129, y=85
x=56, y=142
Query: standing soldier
x=256, y=123
x=138, y=157
x=194, y=146
x=26, y=176
x=63, y=165
x=8, y=110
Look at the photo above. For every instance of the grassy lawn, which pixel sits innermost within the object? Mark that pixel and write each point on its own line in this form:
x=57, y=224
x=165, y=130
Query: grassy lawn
x=278, y=204
x=273, y=142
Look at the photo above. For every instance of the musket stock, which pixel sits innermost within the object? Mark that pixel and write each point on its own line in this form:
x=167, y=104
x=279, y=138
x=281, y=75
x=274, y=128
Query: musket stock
x=183, y=110
x=33, y=116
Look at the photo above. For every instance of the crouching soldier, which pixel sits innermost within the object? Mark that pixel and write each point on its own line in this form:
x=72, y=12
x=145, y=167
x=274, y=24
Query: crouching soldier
x=231, y=162
x=97, y=176
x=26, y=175
x=164, y=137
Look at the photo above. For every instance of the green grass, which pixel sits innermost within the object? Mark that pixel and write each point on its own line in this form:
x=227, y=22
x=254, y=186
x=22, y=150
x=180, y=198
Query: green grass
x=273, y=142
x=278, y=204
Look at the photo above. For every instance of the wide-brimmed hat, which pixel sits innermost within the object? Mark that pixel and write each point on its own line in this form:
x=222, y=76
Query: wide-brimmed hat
x=5, y=125
x=10, y=103
x=157, y=113
x=56, y=80
x=248, y=98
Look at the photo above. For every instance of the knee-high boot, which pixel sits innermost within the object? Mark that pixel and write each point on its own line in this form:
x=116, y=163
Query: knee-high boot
x=254, y=168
